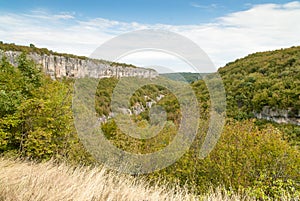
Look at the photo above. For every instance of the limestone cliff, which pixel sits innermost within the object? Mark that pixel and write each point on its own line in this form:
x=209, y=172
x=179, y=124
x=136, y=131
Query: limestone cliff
x=58, y=66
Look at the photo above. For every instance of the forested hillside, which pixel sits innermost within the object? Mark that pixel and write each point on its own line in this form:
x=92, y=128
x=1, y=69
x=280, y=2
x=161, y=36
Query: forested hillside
x=263, y=79
x=266, y=80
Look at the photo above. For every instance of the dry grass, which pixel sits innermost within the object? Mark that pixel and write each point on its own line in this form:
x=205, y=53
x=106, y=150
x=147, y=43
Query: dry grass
x=48, y=181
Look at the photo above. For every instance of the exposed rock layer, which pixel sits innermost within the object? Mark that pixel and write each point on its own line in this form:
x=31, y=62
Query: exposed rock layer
x=61, y=66
x=279, y=116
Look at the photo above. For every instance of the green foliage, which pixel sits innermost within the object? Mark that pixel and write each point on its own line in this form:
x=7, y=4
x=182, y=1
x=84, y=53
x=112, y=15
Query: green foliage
x=141, y=96
x=35, y=116
x=290, y=132
x=10, y=93
x=242, y=154
x=245, y=151
x=103, y=95
x=141, y=146
x=272, y=188
x=31, y=74
x=263, y=79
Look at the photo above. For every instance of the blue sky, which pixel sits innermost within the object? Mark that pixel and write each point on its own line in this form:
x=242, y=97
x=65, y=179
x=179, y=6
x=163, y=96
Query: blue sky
x=225, y=30
x=174, y=12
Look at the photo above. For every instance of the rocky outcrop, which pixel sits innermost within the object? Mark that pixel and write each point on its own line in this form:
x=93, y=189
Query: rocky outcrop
x=136, y=109
x=279, y=116
x=60, y=66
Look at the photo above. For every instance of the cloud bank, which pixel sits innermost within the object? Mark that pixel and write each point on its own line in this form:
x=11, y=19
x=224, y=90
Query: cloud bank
x=261, y=27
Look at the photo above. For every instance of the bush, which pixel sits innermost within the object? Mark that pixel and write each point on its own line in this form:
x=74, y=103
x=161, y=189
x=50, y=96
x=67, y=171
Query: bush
x=35, y=115
x=237, y=162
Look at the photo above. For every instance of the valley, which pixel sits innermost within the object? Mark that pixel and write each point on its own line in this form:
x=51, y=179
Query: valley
x=257, y=153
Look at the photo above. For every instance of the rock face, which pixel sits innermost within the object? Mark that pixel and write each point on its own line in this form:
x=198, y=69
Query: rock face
x=61, y=66
x=136, y=109
x=279, y=116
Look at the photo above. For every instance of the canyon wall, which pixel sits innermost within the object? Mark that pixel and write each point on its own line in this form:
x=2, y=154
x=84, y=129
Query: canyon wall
x=60, y=66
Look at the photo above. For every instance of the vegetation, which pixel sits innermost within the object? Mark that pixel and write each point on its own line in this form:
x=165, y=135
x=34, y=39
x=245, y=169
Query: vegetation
x=242, y=156
x=34, y=49
x=44, y=51
x=251, y=154
x=263, y=79
x=186, y=77
x=35, y=116
x=245, y=158
x=253, y=157
x=53, y=181
x=141, y=96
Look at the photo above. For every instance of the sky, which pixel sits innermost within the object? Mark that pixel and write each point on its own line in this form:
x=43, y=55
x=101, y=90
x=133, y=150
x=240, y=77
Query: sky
x=224, y=30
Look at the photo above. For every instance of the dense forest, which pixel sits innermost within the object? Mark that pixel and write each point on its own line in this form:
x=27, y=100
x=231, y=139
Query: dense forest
x=263, y=79
x=252, y=156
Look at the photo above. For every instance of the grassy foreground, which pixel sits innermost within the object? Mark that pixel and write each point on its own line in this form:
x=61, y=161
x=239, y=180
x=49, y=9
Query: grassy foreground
x=24, y=181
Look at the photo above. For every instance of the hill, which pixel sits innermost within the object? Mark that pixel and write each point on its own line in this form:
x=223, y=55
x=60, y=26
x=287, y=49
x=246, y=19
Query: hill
x=265, y=80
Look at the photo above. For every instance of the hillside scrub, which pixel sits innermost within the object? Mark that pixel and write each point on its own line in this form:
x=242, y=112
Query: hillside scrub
x=50, y=181
x=245, y=158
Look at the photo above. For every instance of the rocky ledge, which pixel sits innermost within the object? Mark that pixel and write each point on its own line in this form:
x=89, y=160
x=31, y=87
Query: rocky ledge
x=290, y=115
x=61, y=66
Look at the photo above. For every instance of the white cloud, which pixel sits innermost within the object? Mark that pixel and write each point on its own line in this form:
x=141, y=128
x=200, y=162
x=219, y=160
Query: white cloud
x=211, y=6
x=157, y=60
x=260, y=27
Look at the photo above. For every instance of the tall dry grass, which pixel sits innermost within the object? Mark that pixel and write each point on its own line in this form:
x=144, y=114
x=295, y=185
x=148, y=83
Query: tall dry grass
x=49, y=181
